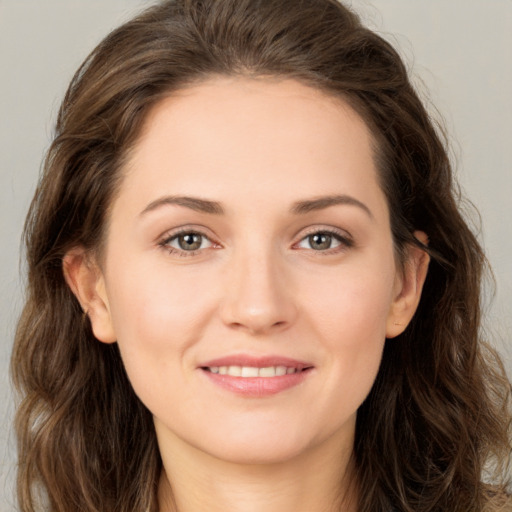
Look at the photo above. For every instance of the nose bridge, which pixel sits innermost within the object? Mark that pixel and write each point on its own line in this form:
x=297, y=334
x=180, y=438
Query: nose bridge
x=257, y=297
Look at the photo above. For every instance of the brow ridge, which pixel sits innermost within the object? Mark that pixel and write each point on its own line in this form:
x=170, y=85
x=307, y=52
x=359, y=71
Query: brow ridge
x=298, y=208
x=320, y=203
x=194, y=203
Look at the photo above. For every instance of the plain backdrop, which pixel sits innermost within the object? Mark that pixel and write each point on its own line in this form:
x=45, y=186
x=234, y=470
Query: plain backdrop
x=460, y=54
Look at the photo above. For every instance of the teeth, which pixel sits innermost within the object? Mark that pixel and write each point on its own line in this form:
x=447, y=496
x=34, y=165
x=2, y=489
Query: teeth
x=269, y=371
x=248, y=371
x=282, y=370
x=251, y=371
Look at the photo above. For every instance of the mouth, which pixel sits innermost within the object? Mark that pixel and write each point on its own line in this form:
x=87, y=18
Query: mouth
x=256, y=377
x=255, y=371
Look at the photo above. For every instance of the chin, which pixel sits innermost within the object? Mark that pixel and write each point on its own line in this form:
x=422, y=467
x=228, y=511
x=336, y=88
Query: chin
x=256, y=453
x=269, y=444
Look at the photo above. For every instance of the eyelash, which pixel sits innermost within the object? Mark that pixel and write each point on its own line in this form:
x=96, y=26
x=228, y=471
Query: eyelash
x=345, y=241
x=164, y=244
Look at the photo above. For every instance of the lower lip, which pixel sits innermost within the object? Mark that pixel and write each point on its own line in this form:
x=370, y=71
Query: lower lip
x=257, y=387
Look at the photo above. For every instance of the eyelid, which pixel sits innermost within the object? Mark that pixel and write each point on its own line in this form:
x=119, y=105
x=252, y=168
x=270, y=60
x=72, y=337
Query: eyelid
x=171, y=234
x=343, y=236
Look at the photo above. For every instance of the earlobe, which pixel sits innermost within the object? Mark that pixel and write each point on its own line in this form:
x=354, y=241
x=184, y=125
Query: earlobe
x=409, y=290
x=87, y=283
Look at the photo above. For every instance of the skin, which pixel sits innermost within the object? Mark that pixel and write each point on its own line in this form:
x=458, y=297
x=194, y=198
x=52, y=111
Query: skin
x=257, y=285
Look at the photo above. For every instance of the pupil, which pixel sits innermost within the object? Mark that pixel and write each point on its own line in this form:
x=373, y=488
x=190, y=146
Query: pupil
x=320, y=241
x=190, y=241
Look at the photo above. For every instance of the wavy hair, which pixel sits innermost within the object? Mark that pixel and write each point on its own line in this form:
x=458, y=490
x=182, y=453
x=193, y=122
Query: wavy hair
x=438, y=415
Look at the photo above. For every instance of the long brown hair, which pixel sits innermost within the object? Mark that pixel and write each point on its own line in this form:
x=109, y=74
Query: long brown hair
x=439, y=412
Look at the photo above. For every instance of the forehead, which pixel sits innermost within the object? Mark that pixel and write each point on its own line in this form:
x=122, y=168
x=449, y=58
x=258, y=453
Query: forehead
x=250, y=138
x=258, y=105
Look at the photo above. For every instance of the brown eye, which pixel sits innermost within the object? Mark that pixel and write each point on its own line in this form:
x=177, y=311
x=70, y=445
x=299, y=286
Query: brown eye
x=320, y=241
x=190, y=241
x=325, y=241
x=187, y=242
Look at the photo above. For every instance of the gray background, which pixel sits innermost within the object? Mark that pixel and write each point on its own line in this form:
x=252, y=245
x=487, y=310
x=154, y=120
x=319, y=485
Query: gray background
x=460, y=51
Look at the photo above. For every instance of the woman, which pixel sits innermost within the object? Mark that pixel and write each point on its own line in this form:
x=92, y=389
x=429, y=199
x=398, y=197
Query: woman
x=250, y=286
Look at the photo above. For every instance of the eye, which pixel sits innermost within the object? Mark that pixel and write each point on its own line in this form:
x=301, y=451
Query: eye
x=187, y=242
x=324, y=241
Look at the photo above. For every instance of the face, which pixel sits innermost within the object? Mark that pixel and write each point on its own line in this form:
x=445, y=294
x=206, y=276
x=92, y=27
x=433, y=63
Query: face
x=249, y=275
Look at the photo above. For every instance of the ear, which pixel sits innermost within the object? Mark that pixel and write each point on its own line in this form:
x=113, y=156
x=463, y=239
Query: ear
x=85, y=278
x=408, y=288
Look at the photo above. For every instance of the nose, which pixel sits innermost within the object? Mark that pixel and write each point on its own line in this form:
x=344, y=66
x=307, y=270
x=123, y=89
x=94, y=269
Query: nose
x=258, y=298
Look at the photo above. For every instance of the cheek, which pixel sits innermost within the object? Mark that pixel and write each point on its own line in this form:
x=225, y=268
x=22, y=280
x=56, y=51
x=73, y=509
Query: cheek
x=151, y=304
x=350, y=318
x=157, y=315
x=354, y=304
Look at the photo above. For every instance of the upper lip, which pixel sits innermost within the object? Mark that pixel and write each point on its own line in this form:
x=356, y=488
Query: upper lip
x=257, y=362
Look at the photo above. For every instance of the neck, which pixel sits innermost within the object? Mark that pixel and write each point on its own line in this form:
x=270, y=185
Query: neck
x=320, y=479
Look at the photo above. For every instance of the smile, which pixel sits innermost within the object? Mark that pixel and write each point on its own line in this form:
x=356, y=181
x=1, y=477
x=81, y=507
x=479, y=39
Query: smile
x=253, y=371
x=256, y=377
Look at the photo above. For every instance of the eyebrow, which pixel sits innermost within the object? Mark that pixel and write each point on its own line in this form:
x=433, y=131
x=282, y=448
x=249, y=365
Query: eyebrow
x=298, y=208
x=320, y=203
x=194, y=203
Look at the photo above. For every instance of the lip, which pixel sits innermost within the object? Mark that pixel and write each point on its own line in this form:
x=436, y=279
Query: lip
x=257, y=362
x=257, y=387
